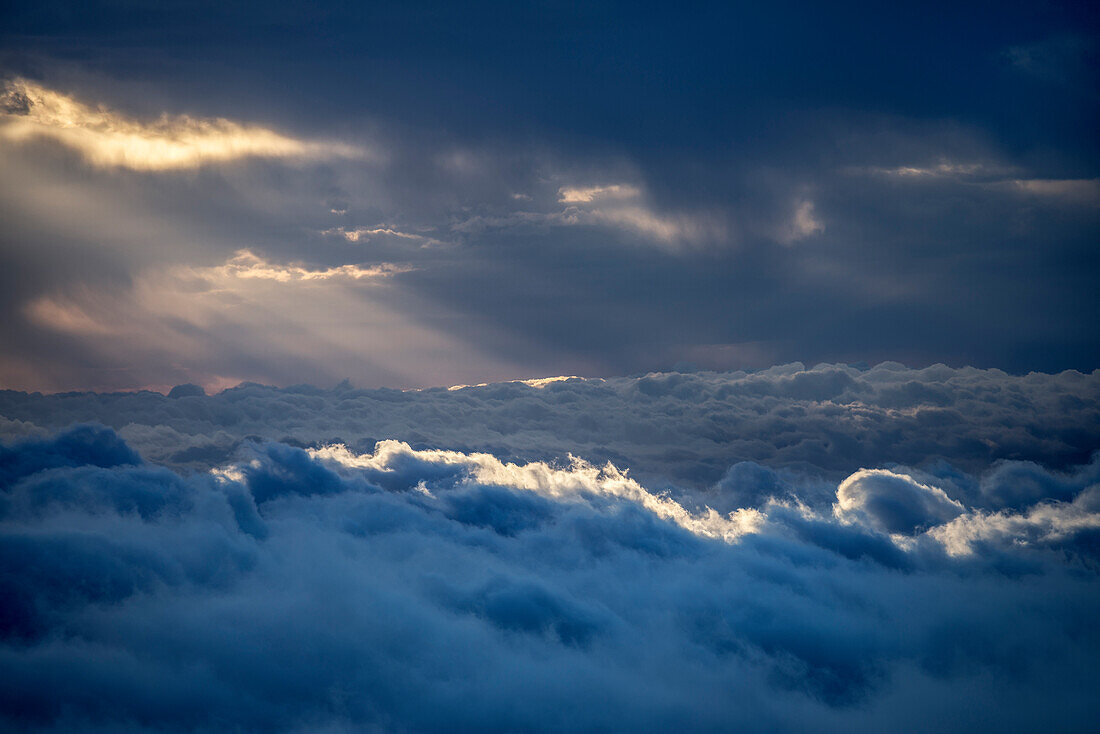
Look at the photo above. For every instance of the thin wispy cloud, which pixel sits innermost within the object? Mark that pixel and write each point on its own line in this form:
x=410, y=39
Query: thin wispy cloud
x=108, y=138
x=247, y=264
x=588, y=194
x=366, y=234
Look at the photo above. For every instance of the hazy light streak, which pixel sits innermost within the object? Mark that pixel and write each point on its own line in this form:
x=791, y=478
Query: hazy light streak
x=108, y=138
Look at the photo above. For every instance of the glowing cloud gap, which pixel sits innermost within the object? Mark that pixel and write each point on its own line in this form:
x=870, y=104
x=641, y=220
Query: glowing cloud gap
x=107, y=138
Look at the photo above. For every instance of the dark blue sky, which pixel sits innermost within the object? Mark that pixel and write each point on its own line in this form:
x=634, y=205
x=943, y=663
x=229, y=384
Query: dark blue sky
x=548, y=188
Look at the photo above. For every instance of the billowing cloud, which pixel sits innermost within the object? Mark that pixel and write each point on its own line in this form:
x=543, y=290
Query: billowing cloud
x=679, y=429
x=291, y=590
x=108, y=138
x=893, y=503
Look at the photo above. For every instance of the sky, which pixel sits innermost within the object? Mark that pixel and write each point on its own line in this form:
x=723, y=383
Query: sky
x=412, y=367
x=418, y=194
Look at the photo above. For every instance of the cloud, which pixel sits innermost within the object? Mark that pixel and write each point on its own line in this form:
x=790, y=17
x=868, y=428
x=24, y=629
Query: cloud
x=588, y=194
x=670, y=429
x=366, y=234
x=620, y=206
x=1073, y=525
x=804, y=223
x=221, y=324
x=108, y=138
x=294, y=590
x=998, y=177
x=246, y=264
x=893, y=503
x=525, y=281
x=942, y=169
x=1079, y=191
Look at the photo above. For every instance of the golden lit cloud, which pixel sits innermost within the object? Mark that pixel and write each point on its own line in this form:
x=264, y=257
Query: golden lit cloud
x=246, y=264
x=108, y=138
x=587, y=194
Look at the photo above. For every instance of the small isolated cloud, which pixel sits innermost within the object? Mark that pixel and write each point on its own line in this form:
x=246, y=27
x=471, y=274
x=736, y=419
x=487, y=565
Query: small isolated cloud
x=804, y=223
x=366, y=234
x=108, y=138
x=588, y=194
x=247, y=264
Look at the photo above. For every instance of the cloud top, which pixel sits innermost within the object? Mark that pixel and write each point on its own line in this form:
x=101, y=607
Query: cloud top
x=429, y=590
x=893, y=503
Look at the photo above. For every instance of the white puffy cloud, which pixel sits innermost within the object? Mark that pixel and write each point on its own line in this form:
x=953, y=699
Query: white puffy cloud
x=1046, y=524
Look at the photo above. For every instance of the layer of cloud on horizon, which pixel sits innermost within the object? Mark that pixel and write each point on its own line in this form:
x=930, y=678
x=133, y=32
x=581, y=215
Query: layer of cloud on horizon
x=679, y=429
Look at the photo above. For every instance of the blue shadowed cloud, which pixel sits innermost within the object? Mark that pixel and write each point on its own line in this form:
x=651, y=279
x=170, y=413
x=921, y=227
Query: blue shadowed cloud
x=428, y=590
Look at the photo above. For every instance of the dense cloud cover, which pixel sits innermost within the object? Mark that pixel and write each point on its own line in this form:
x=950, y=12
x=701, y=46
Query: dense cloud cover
x=410, y=590
x=686, y=429
x=344, y=587
x=422, y=193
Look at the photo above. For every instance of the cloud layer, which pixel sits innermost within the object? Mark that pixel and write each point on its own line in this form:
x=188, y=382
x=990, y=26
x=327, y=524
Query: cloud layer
x=683, y=429
x=842, y=235
x=429, y=590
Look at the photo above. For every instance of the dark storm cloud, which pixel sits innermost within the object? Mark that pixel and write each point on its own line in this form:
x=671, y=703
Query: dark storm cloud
x=408, y=590
x=802, y=188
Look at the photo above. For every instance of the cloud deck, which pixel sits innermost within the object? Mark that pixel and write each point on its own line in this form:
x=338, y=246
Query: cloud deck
x=324, y=587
